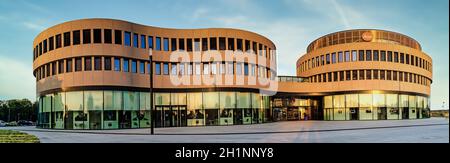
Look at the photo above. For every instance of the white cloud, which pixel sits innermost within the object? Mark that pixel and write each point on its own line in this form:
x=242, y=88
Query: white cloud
x=16, y=79
x=34, y=26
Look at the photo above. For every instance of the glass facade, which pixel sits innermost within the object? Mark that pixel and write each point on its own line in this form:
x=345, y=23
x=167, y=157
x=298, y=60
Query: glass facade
x=375, y=107
x=94, y=110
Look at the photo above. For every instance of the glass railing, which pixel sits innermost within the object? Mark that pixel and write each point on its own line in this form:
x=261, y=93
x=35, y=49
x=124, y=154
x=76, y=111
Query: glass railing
x=292, y=79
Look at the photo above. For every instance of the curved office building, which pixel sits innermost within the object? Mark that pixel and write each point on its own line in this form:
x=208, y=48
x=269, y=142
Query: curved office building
x=94, y=74
x=368, y=75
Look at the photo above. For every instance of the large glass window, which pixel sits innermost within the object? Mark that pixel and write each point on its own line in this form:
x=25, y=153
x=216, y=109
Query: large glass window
x=354, y=55
x=368, y=55
x=213, y=43
x=78, y=64
x=239, y=45
x=347, y=56
x=396, y=57
x=197, y=44
x=389, y=56
x=87, y=64
x=135, y=40
x=189, y=44
x=333, y=58
x=231, y=44
x=383, y=56
x=340, y=57
x=150, y=42
x=328, y=58
x=174, y=69
x=66, y=39
x=361, y=55
x=195, y=112
x=181, y=45
x=58, y=41
x=376, y=56
x=69, y=65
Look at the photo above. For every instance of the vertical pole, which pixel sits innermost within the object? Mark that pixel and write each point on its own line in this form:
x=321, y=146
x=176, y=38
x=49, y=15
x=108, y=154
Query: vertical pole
x=152, y=112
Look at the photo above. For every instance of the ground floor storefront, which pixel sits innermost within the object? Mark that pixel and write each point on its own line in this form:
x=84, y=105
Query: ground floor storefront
x=108, y=109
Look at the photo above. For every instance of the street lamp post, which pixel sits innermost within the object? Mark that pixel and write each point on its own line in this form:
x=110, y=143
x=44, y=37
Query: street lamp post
x=152, y=112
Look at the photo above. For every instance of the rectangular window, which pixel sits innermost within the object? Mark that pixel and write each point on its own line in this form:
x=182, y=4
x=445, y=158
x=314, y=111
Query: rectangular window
x=197, y=69
x=166, y=44
x=340, y=57
x=86, y=36
x=341, y=76
x=77, y=64
x=76, y=37
x=347, y=75
x=97, y=36
x=222, y=44
x=87, y=64
x=190, y=69
x=335, y=76
x=402, y=58
x=389, y=56
x=66, y=39
x=204, y=44
x=375, y=74
x=388, y=75
x=141, y=67
x=158, y=68
x=239, y=44
x=126, y=67
x=333, y=58
x=230, y=68
x=135, y=40
x=247, y=46
x=231, y=44
x=383, y=56
x=181, y=44
x=376, y=56
x=189, y=44
x=173, y=42
x=174, y=69
x=69, y=65
x=354, y=56
x=60, y=66
x=246, y=69
x=108, y=63
x=369, y=74
x=197, y=44
x=400, y=76
x=181, y=72
x=107, y=36
x=396, y=57
x=238, y=68
x=118, y=37
x=347, y=56
x=213, y=43
x=328, y=59
x=133, y=66
x=117, y=64
x=51, y=44
x=255, y=47
x=361, y=75
x=407, y=59
x=166, y=68
x=98, y=63
x=143, y=42
x=58, y=41
x=394, y=75
x=205, y=68
x=355, y=75
x=361, y=55
x=150, y=42
x=329, y=77
x=127, y=38
x=368, y=55
x=45, y=46
x=40, y=49
x=158, y=44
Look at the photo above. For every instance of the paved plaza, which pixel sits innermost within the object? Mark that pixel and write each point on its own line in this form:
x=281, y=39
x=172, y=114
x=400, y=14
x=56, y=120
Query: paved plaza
x=434, y=130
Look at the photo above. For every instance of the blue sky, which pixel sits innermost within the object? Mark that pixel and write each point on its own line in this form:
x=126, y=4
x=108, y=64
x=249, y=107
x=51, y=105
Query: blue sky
x=291, y=24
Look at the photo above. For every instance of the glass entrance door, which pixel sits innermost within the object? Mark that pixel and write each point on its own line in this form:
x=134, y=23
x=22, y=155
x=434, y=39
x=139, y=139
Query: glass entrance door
x=167, y=117
x=159, y=117
x=405, y=113
x=354, y=113
x=183, y=116
x=382, y=113
x=237, y=117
